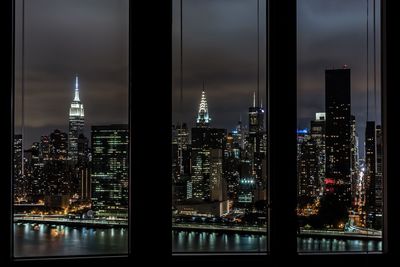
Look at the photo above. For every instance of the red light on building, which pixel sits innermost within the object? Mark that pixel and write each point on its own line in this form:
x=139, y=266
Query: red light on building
x=329, y=181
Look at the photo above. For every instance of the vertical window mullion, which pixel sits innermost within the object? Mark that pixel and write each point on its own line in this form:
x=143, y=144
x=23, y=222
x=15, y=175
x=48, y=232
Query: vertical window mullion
x=282, y=128
x=7, y=28
x=390, y=56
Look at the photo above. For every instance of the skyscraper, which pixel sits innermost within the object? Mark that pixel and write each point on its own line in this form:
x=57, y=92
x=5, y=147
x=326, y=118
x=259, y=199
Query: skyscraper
x=58, y=145
x=45, y=147
x=19, y=188
x=355, y=168
x=206, y=173
x=110, y=170
x=76, y=124
x=317, y=131
x=82, y=169
x=370, y=166
x=180, y=161
x=308, y=171
x=57, y=178
x=338, y=134
x=378, y=179
x=257, y=146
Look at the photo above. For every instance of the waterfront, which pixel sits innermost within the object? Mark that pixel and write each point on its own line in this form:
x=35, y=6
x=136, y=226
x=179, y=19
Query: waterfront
x=45, y=240
x=192, y=242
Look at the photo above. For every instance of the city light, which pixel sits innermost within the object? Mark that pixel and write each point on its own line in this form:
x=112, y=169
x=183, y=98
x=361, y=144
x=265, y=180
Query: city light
x=68, y=184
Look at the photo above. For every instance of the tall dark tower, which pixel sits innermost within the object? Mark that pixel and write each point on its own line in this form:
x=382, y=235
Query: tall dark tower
x=378, y=179
x=256, y=123
x=257, y=143
x=76, y=124
x=370, y=164
x=338, y=134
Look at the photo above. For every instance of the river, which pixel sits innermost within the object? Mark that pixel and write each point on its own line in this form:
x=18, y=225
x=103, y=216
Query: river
x=47, y=241
x=190, y=241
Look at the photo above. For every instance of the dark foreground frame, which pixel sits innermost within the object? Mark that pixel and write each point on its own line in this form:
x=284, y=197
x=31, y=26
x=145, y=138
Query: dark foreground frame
x=150, y=120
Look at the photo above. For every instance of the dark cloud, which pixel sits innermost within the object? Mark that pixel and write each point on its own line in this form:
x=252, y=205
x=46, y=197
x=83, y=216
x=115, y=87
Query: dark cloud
x=64, y=38
x=220, y=46
x=331, y=34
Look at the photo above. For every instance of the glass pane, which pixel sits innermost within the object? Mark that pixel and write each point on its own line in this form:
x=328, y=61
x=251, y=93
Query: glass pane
x=71, y=172
x=340, y=172
x=219, y=137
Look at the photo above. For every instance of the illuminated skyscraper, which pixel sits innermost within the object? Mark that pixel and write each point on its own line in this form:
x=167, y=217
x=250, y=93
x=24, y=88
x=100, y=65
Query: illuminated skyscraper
x=58, y=145
x=76, y=124
x=355, y=168
x=307, y=166
x=181, y=150
x=370, y=174
x=83, y=168
x=318, y=135
x=18, y=174
x=338, y=134
x=378, y=179
x=109, y=174
x=257, y=146
x=206, y=173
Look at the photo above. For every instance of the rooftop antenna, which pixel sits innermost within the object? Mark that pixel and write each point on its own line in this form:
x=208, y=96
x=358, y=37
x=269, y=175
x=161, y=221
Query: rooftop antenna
x=76, y=98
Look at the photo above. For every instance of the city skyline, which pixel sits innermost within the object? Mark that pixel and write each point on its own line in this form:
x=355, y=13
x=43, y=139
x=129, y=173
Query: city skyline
x=222, y=51
x=89, y=40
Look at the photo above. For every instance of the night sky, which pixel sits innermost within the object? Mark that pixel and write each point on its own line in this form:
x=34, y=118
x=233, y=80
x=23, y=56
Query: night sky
x=62, y=38
x=90, y=37
x=220, y=47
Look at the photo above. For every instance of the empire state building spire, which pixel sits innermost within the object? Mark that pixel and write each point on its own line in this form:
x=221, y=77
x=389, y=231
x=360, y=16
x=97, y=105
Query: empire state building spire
x=76, y=98
x=76, y=124
x=203, y=119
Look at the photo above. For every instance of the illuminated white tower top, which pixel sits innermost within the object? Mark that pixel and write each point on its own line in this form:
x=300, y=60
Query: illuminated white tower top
x=76, y=124
x=76, y=108
x=203, y=119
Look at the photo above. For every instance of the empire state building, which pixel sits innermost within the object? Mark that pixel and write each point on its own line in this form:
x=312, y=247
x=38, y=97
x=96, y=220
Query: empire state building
x=76, y=124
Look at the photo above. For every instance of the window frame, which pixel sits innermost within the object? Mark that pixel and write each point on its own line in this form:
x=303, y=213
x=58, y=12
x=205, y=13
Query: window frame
x=7, y=201
x=151, y=54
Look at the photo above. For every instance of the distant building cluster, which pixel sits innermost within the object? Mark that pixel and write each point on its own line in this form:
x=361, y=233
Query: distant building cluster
x=331, y=174
x=61, y=169
x=215, y=170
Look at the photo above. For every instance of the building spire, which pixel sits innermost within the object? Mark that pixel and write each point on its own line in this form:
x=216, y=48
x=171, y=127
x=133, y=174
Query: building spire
x=76, y=98
x=203, y=118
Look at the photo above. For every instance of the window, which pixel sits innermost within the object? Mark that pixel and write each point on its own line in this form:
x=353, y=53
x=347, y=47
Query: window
x=219, y=137
x=149, y=191
x=71, y=134
x=339, y=137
